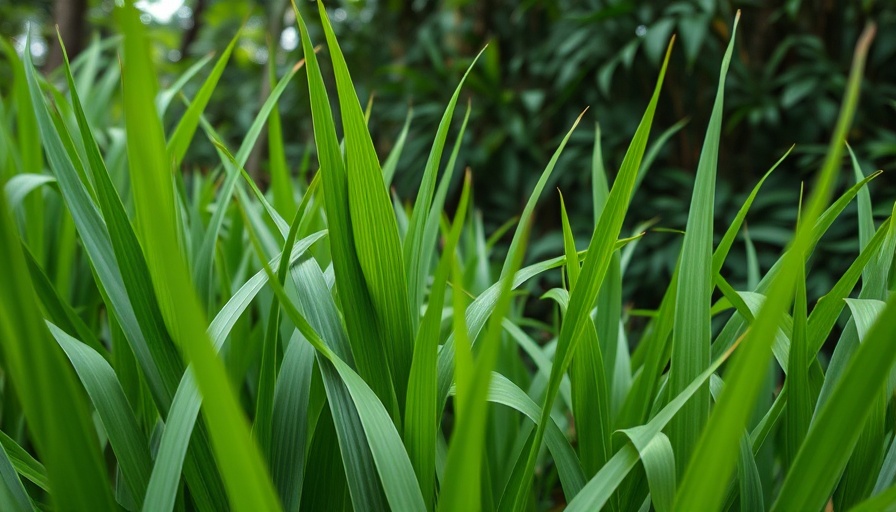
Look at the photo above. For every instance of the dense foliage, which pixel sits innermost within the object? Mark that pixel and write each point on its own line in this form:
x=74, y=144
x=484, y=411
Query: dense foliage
x=545, y=61
x=348, y=348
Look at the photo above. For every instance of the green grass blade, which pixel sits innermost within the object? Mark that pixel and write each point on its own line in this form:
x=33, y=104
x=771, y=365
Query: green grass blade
x=391, y=163
x=186, y=127
x=421, y=416
x=833, y=434
x=609, y=299
x=419, y=236
x=24, y=463
x=503, y=391
x=659, y=464
x=163, y=100
x=866, y=218
x=12, y=493
x=598, y=490
x=129, y=443
x=281, y=182
x=590, y=397
x=374, y=226
x=461, y=486
x=203, y=261
x=349, y=392
x=751, y=495
x=886, y=500
x=600, y=251
x=887, y=471
x=290, y=423
x=163, y=483
x=55, y=408
x=137, y=282
x=714, y=456
x=533, y=200
x=866, y=458
x=358, y=310
x=800, y=402
x=431, y=230
x=692, y=333
x=245, y=477
x=95, y=240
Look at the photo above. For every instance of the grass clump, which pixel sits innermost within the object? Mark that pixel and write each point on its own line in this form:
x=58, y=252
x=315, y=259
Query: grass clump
x=346, y=351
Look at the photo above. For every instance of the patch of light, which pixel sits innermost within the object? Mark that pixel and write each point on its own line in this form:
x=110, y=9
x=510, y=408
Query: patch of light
x=641, y=31
x=289, y=39
x=160, y=11
x=260, y=55
x=38, y=47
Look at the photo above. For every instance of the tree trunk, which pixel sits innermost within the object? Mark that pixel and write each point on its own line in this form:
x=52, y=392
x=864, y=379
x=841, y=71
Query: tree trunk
x=70, y=17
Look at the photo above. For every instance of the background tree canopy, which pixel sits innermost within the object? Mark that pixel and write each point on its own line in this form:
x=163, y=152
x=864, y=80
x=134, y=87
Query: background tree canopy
x=545, y=61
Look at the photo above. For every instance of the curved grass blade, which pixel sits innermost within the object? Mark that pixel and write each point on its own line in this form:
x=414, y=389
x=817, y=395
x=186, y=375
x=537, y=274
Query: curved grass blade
x=393, y=465
x=374, y=227
x=12, y=492
x=163, y=483
x=420, y=235
x=833, y=436
x=365, y=335
x=134, y=273
x=47, y=387
x=600, y=251
x=598, y=490
x=503, y=391
x=714, y=456
x=186, y=127
x=245, y=477
x=127, y=439
x=24, y=463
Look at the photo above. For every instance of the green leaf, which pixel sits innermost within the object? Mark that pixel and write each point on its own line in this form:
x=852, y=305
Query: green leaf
x=24, y=463
x=600, y=251
x=421, y=415
x=12, y=492
x=692, y=331
x=714, y=456
x=374, y=226
x=420, y=235
x=245, y=476
x=129, y=443
x=351, y=395
x=290, y=422
x=366, y=340
x=186, y=127
x=151, y=342
x=47, y=388
x=185, y=407
x=598, y=490
x=833, y=434
x=391, y=163
x=462, y=483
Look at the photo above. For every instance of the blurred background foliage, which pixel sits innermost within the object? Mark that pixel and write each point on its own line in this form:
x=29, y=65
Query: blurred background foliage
x=546, y=60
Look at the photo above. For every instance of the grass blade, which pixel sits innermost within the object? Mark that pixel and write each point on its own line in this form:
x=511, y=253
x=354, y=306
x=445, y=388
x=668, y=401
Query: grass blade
x=54, y=406
x=358, y=310
x=714, y=456
x=600, y=251
x=245, y=477
x=692, y=333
